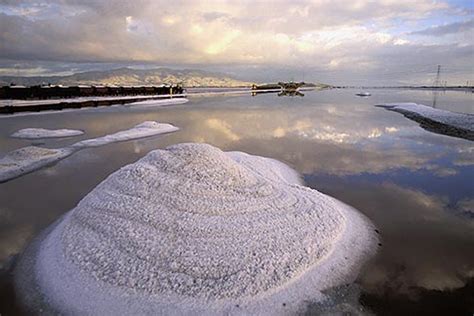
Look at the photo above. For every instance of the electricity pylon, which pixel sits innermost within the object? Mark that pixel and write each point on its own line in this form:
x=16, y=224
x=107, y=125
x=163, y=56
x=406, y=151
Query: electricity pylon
x=436, y=86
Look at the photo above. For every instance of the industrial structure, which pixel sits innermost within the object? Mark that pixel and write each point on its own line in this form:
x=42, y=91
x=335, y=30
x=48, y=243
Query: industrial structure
x=62, y=92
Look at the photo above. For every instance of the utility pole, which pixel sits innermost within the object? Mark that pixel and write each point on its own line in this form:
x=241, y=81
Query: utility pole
x=436, y=86
x=436, y=83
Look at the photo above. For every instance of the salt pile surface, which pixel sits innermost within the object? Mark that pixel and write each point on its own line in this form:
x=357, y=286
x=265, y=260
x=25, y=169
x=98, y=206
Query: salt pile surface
x=39, y=133
x=31, y=158
x=192, y=229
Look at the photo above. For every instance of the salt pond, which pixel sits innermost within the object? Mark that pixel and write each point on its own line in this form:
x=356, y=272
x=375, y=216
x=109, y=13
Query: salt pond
x=31, y=158
x=413, y=184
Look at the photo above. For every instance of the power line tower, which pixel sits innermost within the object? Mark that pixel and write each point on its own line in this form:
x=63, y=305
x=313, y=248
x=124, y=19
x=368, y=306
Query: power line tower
x=438, y=74
x=436, y=86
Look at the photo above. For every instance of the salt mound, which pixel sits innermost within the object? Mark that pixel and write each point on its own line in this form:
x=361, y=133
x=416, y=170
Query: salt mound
x=192, y=229
x=39, y=133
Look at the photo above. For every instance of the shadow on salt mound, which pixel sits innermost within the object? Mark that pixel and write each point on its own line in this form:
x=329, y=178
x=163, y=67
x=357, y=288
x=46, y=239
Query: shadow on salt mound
x=40, y=133
x=192, y=229
x=31, y=158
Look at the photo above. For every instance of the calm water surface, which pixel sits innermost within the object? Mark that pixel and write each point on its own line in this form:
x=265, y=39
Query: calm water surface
x=416, y=186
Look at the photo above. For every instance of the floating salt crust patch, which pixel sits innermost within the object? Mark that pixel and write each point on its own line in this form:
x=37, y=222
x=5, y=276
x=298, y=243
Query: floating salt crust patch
x=436, y=120
x=193, y=229
x=39, y=133
x=28, y=159
x=158, y=102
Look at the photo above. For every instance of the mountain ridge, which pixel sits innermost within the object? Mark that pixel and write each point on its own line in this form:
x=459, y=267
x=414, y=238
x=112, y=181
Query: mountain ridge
x=130, y=76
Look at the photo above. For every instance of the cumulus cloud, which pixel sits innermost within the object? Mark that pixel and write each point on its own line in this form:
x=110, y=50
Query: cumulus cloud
x=324, y=36
x=445, y=29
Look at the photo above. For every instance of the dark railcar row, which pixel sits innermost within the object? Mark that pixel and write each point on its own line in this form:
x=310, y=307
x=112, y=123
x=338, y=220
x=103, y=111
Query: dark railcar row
x=48, y=92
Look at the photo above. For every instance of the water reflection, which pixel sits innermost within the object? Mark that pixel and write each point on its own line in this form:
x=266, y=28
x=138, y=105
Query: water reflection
x=413, y=184
x=425, y=247
x=13, y=236
x=435, y=97
x=290, y=94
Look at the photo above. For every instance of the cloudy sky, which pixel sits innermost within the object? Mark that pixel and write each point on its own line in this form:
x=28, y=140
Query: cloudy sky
x=333, y=41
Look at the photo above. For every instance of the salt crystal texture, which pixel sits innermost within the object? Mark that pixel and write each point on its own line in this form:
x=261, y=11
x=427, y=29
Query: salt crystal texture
x=29, y=159
x=39, y=133
x=192, y=229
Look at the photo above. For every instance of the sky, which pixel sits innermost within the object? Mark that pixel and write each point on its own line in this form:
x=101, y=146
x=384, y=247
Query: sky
x=350, y=42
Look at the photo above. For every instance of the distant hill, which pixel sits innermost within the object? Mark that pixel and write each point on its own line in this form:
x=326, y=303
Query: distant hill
x=128, y=76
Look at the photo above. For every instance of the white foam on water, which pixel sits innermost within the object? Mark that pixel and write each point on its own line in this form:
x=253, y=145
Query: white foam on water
x=28, y=159
x=191, y=229
x=40, y=133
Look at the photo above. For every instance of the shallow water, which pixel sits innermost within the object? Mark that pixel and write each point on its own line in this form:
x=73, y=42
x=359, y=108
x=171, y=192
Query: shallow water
x=413, y=184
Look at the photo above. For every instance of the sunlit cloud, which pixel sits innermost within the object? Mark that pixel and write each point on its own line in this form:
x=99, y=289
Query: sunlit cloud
x=324, y=36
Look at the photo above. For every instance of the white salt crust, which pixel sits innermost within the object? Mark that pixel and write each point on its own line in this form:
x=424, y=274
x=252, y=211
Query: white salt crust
x=31, y=158
x=191, y=229
x=158, y=103
x=40, y=133
x=459, y=120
